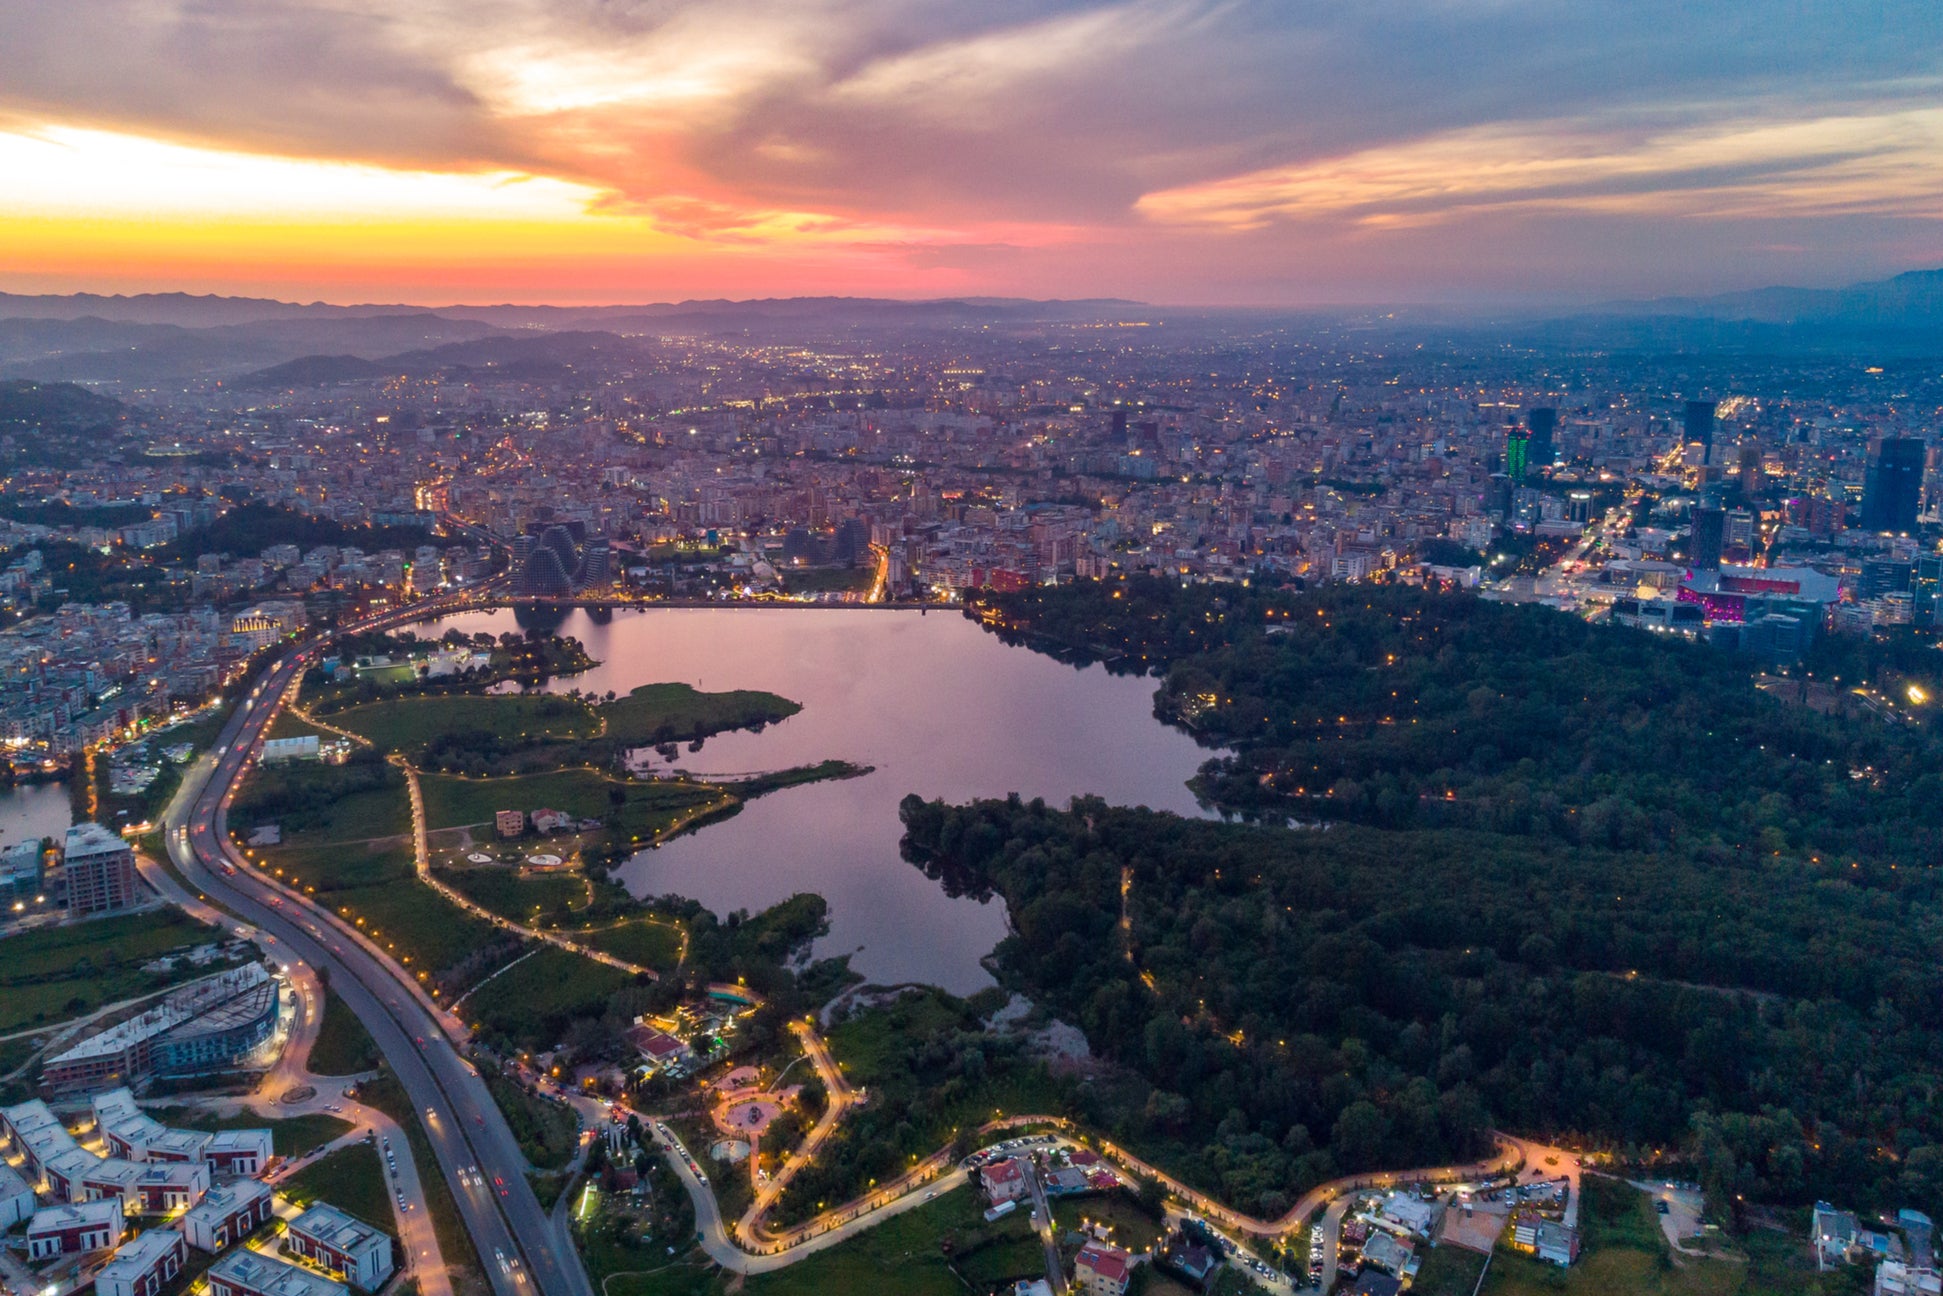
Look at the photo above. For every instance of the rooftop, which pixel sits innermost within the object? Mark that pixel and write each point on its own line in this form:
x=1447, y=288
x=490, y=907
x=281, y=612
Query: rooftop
x=273, y=1277
x=134, y=1259
x=92, y=839
x=333, y=1227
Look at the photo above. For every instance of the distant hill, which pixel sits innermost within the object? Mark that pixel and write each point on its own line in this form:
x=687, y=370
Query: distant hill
x=1911, y=299
x=92, y=349
x=57, y=425
x=313, y=371
x=55, y=407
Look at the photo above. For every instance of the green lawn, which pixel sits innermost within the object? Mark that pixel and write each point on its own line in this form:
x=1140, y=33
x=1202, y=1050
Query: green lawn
x=343, y=1045
x=351, y=1179
x=677, y=712
x=55, y=973
x=532, y=1002
x=315, y=803
x=1131, y=1229
x=1448, y=1271
x=378, y=883
x=906, y=1255
x=643, y=808
x=407, y=724
x=287, y=725
x=290, y=1136
x=551, y=896
x=546, y=1129
x=650, y=942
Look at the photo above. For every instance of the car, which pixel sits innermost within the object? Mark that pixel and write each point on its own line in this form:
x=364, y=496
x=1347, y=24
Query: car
x=933, y=1193
x=500, y=1256
x=1662, y=1208
x=500, y=1184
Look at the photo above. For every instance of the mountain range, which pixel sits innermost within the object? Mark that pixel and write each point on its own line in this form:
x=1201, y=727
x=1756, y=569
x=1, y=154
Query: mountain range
x=169, y=337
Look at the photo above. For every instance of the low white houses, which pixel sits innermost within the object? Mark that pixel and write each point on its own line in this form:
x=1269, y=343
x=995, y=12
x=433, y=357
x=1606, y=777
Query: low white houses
x=143, y=1267
x=339, y=1244
x=228, y=1214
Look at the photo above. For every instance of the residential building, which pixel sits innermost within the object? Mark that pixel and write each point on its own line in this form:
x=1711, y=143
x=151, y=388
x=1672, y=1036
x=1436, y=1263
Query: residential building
x=1547, y=1239
x=133, y=1134
x=99, y=870
x=509, y=823
x=343, y=1246
x=1895, y=1278
x=227, y=1214
x=215, y=1024
x=239, y=1152
x=145, y=1266
x=1003, y=1181
x=74, y=1229
x=242, y=1272
x=16, y=1198
x=1101, y=1270
x=1831, y=1233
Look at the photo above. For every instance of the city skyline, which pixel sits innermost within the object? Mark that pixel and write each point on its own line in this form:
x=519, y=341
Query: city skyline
x=1165, y=150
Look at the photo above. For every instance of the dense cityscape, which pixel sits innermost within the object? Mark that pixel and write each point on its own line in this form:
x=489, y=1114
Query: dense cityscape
x=1046, y=648
x=212, y=589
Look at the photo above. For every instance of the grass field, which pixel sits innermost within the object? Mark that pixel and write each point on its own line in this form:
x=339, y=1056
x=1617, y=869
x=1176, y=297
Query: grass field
x=378, y=884
x=906, y=1255
x=1448, y=1271
x=533, y=1000
x=407, y=724
x=351, y=1179
x=678, y=712
x=548, y=897
x=324, y=803
x=290, y=1136
x=343, y=1046
x=1131, y=1229
x=643, y=808
x=287, y=725
x=53, y=974
x=654, y=943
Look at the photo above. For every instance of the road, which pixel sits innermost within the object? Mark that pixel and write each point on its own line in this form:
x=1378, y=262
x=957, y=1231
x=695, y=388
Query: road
x=291, y=1074
x=1042, y=1222
x=462, y=1123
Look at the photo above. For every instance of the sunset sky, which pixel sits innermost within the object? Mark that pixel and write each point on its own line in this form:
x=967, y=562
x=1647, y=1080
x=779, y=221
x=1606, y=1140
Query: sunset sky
x=1175, y=151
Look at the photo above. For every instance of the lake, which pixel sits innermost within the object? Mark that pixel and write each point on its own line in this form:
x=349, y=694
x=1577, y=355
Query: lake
x=936, y=704
x=30, y=811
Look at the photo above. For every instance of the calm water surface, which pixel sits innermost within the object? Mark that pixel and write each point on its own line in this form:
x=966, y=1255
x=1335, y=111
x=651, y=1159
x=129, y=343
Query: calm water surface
x=937, y=705
x=31, y=811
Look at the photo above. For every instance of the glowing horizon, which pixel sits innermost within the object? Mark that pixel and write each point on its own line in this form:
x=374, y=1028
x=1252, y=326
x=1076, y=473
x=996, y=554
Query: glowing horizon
x=1175, y=151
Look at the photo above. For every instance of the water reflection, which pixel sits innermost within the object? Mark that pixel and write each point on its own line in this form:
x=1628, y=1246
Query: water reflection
x=938, y=706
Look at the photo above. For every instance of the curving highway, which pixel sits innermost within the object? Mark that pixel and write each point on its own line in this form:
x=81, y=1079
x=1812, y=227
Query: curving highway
x=460, y=1119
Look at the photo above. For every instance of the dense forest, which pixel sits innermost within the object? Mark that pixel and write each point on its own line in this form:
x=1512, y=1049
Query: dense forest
x=1555, y=877
x=249, y=529
x=1404, y=709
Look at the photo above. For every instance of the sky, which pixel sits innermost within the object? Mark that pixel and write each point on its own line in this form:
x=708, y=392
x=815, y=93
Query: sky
x=1192, y=152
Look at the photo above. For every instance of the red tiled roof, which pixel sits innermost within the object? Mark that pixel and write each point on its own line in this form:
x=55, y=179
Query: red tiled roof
x=1108, y=1262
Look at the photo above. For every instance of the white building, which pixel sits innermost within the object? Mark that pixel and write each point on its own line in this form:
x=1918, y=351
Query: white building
x=143, y=1267
x=327, y=1237
x=228, y=1214
x=16, y=1198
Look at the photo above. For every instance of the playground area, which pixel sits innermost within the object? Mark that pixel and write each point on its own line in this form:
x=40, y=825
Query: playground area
x=743, y=1108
